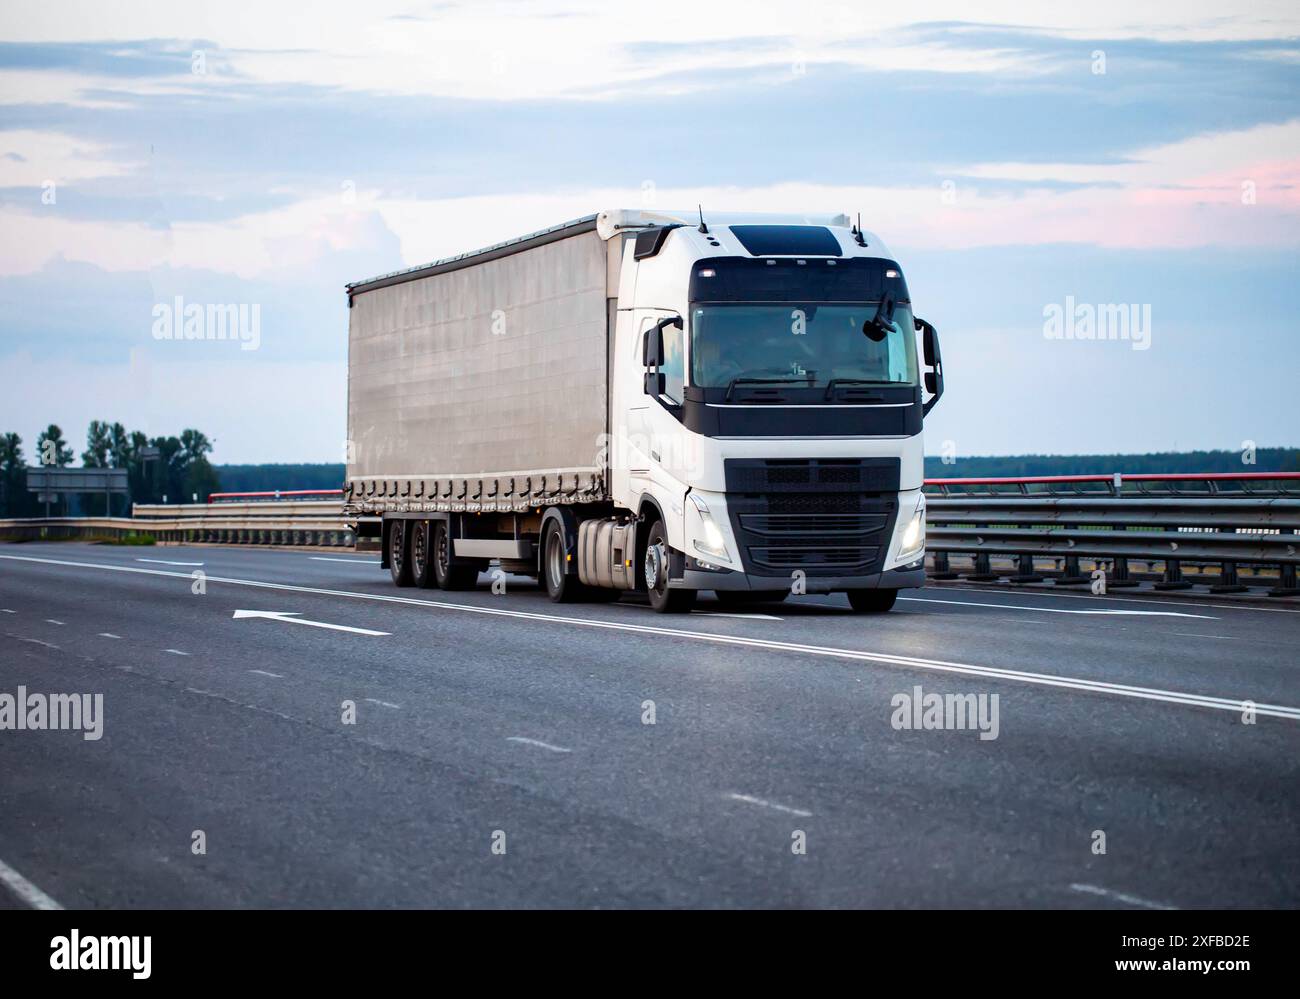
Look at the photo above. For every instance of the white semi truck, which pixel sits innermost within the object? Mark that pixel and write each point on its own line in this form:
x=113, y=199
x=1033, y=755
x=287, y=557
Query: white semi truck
x=647, y=401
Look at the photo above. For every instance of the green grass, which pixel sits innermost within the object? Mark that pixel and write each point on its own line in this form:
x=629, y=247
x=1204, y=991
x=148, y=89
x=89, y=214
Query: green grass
x=126, y=539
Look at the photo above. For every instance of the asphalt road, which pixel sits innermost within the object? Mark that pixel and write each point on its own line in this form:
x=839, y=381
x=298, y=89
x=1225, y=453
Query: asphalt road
x=501, y=722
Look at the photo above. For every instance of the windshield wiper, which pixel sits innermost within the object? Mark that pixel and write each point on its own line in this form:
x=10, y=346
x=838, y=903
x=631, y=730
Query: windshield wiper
x=731, y=386
x=830, y=385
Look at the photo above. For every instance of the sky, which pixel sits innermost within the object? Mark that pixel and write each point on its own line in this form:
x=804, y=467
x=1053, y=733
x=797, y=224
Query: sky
x=1016, y=160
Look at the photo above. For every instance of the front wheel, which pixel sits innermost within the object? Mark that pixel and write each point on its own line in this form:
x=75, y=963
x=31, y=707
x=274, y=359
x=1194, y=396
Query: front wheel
x=662, y=599
x=872, y=601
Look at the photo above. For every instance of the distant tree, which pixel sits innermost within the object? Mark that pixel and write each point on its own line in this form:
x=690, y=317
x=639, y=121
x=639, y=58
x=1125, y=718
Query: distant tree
x=183, y=469
x=14, y=500
x=99, y=445
x=52, y=449
x=168, y=478
x=121, y=447
x=195, y=445
x=201, y=480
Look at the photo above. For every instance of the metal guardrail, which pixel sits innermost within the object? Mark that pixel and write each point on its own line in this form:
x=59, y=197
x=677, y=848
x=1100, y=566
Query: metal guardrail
x=284, y=523
x=275, y=494
x=1209, y=530
x=1041, y=535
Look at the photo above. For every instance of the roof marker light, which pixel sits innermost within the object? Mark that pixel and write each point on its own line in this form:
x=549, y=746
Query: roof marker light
x=708, y=272
x=891, y=273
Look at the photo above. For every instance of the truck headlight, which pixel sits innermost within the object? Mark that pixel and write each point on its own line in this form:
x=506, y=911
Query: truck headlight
x=913, y=538
x=713, y=543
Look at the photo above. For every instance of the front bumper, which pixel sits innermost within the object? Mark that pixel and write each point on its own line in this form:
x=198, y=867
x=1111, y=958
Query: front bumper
x=893, y=579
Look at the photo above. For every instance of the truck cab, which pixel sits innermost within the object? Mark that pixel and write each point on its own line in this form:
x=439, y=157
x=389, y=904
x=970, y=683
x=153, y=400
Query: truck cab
x=767, y=406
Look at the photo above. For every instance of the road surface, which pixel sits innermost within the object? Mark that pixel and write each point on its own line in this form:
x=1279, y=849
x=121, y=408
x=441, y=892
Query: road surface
x=501, y=751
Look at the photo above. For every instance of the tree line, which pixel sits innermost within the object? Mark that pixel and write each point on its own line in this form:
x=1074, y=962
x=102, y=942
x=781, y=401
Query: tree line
x=180, y=470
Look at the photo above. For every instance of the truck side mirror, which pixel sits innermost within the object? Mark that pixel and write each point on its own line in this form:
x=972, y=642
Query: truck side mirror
x=653, y=351
x=933, y=361
x=656, y=383
x=654, y=347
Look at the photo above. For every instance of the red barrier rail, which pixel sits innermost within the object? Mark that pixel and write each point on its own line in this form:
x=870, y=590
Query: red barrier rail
x=1125, y=477
x=1122, y=484
x=276, y=494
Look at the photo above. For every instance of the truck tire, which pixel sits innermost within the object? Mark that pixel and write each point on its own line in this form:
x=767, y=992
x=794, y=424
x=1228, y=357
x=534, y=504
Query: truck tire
x=742, y=598
x=447, y=576
x=399, y=563
x=655, y=568
x=872, y=601
x=421, y=569
x=562, y=586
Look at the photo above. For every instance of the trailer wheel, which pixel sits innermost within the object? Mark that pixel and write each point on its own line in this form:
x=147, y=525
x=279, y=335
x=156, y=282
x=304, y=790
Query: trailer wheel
x=561, y=586
x=662, y=599
x=872, y=601
x=445, y=575
x=421, y=572
x=398, y=547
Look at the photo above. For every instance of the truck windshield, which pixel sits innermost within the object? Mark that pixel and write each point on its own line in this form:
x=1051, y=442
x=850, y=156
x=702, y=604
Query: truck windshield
x=814, y=343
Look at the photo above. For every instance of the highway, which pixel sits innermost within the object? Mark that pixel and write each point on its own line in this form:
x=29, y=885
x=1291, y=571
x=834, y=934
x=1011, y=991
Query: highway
x=500, y=754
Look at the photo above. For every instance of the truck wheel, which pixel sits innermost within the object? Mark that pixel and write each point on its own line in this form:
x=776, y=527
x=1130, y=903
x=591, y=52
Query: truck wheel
x=445, y=575
x=872, y=601
x=421, y=570
x=741, y=598
x=662, y=599
x=561, y=587
x=398, y=547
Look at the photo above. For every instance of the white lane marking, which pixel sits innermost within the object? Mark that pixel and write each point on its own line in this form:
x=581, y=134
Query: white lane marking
x=262, y=672
x=538, y=744
x=349, y=561
x=36, y=641
x=163, y=561
x=108, y=634
x=6, y=610
x=1066, y=594
x=1195, y=634
x=751, y=800
x=176, y=652
x=50, y=620
x=383, y=704
x=1235, y=705
x=291, y=617
x=759, y=617
x=1120, y=896
x=1060, y=610
x=25, y=891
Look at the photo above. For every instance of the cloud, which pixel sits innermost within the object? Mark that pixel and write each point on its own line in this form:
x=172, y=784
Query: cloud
x=511, y=50
x=30, y=158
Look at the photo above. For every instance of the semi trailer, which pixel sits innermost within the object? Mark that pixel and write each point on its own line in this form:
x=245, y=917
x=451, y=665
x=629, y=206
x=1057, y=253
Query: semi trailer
x=647, y=401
